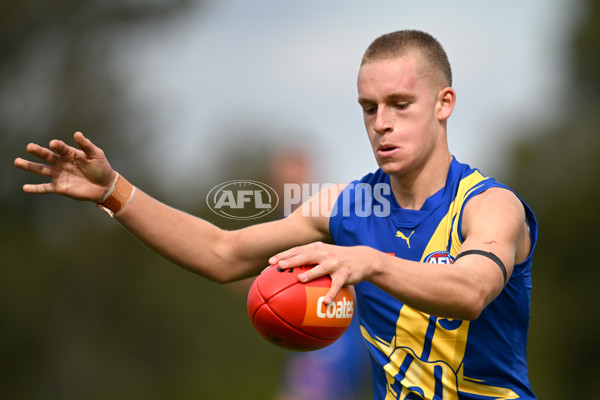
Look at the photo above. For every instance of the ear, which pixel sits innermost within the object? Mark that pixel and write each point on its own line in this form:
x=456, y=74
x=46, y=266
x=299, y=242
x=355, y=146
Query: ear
x=445, y=103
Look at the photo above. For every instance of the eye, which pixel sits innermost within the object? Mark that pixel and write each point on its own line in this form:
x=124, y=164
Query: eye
x=369, y=109
x=402, y=105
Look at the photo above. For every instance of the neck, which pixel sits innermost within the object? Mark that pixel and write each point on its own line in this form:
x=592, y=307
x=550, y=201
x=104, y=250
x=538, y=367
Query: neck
x=411, y=190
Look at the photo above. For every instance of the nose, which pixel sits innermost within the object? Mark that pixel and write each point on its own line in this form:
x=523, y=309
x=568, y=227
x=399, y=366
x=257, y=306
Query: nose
x=383, y=120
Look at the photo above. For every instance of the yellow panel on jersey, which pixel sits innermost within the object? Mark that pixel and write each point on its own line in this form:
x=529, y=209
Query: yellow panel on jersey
x=448, y=227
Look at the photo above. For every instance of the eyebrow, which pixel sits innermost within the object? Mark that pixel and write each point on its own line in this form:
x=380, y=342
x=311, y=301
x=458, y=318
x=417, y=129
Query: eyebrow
x=396, y=97
x=392, y=98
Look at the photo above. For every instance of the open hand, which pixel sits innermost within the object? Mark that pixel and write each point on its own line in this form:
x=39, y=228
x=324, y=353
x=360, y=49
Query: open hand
x=345, y=265
x=81, y=173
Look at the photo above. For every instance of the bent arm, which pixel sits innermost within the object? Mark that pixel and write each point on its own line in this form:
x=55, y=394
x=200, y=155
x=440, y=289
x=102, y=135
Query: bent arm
x=493, y=221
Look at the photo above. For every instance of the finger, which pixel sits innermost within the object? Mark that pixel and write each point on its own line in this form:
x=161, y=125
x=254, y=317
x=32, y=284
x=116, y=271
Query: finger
x=42, y=152
x=22, y=163
x=315, y=272
x=40, y=188
x=292, y=260
x=86, y=145
x=336, y=286
x=61, y=147
x=277, y=258
x=36, y=168
x=310, y=254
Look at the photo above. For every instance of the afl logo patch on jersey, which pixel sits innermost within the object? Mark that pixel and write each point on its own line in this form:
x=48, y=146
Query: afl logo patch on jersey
x=439, y=257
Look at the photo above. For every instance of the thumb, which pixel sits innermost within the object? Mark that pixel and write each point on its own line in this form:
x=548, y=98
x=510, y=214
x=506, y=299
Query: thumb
x=86, y=145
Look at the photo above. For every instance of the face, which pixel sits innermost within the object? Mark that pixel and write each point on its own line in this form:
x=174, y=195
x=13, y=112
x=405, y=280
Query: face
x=403, y=110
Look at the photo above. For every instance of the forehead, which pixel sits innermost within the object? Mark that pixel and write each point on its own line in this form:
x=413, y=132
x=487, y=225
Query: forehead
x=384, y=77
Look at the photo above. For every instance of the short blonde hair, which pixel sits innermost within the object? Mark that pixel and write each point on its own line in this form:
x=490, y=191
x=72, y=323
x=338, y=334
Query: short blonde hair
x=400, y=43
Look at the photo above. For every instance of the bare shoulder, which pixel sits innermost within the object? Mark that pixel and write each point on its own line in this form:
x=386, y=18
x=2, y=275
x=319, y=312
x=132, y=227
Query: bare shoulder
x=496, y=200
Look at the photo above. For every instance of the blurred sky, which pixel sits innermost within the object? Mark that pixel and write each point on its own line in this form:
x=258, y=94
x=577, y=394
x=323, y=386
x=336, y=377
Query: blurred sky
x=290, y=68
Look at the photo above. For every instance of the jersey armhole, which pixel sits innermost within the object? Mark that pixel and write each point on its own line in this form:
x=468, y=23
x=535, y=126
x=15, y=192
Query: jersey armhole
x=335, y=219
x=469, y=196
x=529, y=218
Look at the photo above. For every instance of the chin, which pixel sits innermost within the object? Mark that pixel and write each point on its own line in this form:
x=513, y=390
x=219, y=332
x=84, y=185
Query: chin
x=391, y=167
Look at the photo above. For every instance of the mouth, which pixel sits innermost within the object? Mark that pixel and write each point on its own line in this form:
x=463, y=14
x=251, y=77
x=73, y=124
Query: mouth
x=386, y=150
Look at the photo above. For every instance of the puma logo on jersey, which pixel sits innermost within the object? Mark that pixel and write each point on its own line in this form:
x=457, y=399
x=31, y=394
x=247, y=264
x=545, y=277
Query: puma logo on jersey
x=403, y=236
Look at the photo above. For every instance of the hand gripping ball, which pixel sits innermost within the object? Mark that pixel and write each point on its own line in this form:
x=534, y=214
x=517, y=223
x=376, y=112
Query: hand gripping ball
x=291, y=314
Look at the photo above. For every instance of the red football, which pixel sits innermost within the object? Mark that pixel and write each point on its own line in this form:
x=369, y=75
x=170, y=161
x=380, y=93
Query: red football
x=291, y=314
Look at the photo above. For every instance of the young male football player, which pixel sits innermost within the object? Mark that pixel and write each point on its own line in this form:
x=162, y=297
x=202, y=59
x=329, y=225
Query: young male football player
x=439, y=254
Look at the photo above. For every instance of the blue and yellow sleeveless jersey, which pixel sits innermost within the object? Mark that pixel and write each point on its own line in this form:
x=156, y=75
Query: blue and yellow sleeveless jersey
x=419, y=356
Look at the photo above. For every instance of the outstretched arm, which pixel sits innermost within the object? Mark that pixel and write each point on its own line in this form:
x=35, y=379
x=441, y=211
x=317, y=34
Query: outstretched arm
x=201, y=247
x=84, y=173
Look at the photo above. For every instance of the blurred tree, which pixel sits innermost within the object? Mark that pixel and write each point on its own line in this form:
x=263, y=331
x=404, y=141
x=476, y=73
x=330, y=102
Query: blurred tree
x=57, y=70
x=558, y=171
x=88, y=312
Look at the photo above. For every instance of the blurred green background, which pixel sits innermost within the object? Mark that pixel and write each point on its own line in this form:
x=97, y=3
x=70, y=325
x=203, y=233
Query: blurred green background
x=87, y=312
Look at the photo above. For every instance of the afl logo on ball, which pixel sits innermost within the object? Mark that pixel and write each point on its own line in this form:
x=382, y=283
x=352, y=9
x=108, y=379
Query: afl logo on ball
x=242, y=199
x=439, y=257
